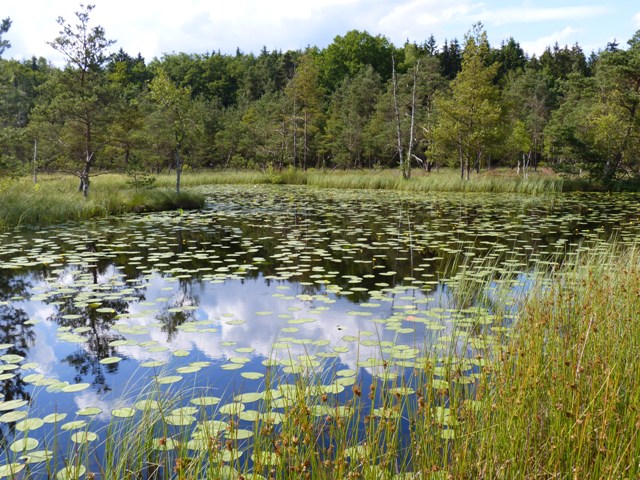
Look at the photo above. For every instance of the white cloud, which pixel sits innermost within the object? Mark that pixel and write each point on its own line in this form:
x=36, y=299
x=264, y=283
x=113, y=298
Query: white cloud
x=199, y=26
x=530, y=14
x=537, y=46
x=418, y=19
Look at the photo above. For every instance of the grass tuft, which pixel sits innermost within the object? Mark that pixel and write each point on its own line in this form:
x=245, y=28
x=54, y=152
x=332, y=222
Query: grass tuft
x=55, y=199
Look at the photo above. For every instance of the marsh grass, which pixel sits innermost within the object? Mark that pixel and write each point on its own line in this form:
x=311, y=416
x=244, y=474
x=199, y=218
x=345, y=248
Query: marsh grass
x=55, y=199
x=502, y=181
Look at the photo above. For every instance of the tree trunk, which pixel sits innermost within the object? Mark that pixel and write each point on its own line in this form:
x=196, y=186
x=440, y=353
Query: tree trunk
x=460, y=157
x=35, y=157
x=295, y=133
x=406, y=171
x=178, y=168
x=304, y=153
x=397, y=113
x=468, y=162
x=84, y=180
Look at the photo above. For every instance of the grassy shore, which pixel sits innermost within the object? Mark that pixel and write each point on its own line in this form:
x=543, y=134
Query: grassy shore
x=504, y=181
x=55, y=199
x=556, y=395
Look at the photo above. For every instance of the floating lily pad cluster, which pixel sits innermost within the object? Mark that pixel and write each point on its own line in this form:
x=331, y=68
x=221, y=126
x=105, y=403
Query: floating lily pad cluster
x=238, y=301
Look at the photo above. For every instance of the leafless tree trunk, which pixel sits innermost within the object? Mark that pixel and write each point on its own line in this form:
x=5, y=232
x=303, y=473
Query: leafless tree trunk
x=397, y=111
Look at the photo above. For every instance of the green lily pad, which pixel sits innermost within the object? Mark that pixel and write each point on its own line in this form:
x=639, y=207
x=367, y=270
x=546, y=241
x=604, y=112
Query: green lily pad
x=23, y=445
x=83, y=437
x=14, y=416
x=12, y=404
x=71, y=472
x=89, y=411
x=124, y=412
x=11, y=469
x=29, y=424
x=110, y=360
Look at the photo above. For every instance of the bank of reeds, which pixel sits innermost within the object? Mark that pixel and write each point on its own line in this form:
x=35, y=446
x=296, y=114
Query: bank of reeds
x=420, y=182
x=564, y=397
x=55, y=199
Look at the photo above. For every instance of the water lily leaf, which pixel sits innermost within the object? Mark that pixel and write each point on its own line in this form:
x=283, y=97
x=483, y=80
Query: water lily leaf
x=13, y=416
x=252, y=375
x=76, y=424
x=37, y=456
x=168, y=379
x=124, y=412
x=179, y=420
x=248, y=397
x=148, y=404
x=71, y=472
x=153, y=363
x=11, y=469
x=205, y=401
x=11, y=358
x=83, y=437
x=110, y=360
x=89, y=411
x=33, y=378
x=239, y=434
x=29, y=366
x=12, y=404
x=29, y=424
x=232, y=366
x=233, y=408
x=77, y=387
x=23, y=445
x=54, y=417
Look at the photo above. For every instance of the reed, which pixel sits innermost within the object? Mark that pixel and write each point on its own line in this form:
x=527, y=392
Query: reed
x=420, y=182
x=55, y=199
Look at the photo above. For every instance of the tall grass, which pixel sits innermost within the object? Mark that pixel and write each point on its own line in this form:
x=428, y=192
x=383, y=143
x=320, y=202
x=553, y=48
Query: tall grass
x=55, y=199
x=442, y=181
x=563, y=400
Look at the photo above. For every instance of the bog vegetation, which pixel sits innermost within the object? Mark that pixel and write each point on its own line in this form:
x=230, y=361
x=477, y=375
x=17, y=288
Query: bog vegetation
x=361, y=102
x=325, y=334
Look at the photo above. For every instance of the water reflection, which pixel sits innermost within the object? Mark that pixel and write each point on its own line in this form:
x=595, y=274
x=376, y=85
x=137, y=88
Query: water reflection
x=16, y=338
x=328, y=280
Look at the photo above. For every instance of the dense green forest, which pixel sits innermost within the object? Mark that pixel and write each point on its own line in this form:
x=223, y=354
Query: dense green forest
x=361, y=102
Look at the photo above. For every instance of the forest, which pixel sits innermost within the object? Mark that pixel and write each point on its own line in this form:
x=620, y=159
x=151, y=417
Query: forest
x=361, y=102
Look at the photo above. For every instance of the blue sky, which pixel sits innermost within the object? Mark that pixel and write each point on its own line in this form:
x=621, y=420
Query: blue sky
x=198, y=26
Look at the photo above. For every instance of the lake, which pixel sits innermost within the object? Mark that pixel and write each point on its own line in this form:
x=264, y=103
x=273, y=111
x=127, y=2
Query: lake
x=221, y=312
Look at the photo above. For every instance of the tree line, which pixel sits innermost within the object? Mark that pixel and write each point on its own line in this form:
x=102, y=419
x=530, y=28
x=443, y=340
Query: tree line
x=361, y=102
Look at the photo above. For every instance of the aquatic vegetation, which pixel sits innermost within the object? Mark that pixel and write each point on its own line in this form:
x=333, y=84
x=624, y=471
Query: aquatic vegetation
x=55, y=199
x=326, y=333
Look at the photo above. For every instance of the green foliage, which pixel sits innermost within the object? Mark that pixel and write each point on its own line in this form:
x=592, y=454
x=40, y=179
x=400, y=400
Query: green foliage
x=139, y=178
x=347, y=55
x=4, y=28
x=473, y=105
x=469, y=115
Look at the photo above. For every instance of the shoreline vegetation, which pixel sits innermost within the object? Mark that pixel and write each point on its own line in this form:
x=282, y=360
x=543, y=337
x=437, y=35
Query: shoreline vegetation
x=54, y=199
x=555, y=396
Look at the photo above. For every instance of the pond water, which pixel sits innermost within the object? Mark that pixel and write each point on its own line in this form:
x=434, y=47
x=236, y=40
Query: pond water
x=344, y=286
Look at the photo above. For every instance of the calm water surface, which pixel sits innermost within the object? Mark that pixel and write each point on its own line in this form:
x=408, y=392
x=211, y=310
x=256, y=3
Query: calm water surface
x=98, y=315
